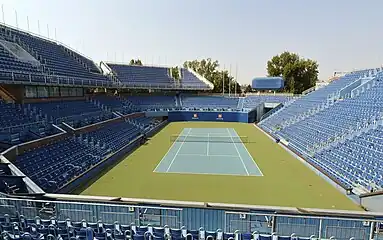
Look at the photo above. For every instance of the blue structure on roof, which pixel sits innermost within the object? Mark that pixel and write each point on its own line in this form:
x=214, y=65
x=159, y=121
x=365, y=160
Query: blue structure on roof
x=268, y=83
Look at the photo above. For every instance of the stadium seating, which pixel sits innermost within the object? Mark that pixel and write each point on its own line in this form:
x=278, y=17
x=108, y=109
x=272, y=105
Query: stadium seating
x=114, y=103
x=153, y=102
x=57, y=62
x=142, y=75
x=75, y=113
x=54, y=165
x=18, y=124
x=340, y=137
x=355, y=162
x=189, y=80
x=306, y=103
x=144, y=123
x=209, y=102
x=253, y=101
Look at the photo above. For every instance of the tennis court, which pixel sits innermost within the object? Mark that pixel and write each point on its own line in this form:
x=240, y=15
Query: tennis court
x=219, y=151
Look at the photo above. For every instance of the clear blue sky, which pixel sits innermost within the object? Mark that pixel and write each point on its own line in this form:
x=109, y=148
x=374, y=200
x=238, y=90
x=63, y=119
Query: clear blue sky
x=339, y=34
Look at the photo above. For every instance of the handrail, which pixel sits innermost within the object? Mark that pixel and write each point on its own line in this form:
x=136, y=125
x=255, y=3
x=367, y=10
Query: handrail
x=19, y=30
x=23, y=125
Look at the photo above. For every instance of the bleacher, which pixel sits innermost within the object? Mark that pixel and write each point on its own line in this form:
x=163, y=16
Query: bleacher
x=142, y=75
x=209, y=102
x=356, y=162
x=153, y=102
x=114, y=103
x=310, y=101
x=189, y=80
x=77, y=113
x=343, y=136
x=252, y=101
x=58, y=63
x=21, y=70
x=144, y=123
x=18, y=124
x=54, y=165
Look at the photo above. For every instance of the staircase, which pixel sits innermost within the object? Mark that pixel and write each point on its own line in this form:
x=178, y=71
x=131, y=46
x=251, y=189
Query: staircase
x=6, y=96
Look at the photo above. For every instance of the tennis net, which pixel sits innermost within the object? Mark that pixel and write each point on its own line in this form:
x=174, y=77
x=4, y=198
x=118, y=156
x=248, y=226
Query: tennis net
x=219, y=139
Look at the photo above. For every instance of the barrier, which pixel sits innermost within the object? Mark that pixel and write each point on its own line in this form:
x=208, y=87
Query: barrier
x=215, y=116
x=323, y=224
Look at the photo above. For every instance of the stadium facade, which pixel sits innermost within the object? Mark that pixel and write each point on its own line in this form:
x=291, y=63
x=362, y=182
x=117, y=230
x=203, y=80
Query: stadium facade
x=57, y=132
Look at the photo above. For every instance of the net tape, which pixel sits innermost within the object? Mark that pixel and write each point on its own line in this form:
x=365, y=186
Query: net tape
x=218, y=139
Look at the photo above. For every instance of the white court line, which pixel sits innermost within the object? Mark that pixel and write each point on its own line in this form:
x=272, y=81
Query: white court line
x=240, y=157
x=209, y=173
x=202, y=155
x=208, y=141
x=174, y=158
x=171, y=147
x=251, y=157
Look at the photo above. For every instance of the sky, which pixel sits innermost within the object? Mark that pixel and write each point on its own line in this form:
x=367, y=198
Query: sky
x=341, y=35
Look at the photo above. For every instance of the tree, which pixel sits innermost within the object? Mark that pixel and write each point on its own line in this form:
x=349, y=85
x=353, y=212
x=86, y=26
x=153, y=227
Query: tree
x=299, y=73
x=208, y=69
x=247, y=88
x=135, y=62
x=175, y=73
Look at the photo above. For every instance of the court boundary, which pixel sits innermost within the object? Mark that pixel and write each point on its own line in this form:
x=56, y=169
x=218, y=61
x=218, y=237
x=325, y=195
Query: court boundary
x=189, y=130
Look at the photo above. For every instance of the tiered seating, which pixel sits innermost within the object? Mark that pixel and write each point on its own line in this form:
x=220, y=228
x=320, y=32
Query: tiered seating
x=329, y=137
x=189, y=80
x=116, y=104
x=56, y=61
x=88, y=63
x=153, y=103
x=310, y=101
x=142, y=75
x=254, y=100
x=145, y=123
x=54, y=165
x=22, y=70
x=355, y=162
x=209, y=102
x=75, y=113
x=114, y=136
x=18, y=124
x=338, y=119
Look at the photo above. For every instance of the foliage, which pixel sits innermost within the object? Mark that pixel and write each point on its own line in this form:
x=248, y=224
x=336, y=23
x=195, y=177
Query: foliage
x=209, y=70
x=299, y=73
x=137, y=62
x=247, y=88
x=175, y=73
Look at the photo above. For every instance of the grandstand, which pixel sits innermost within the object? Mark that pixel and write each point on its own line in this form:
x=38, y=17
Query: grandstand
x=225, y=167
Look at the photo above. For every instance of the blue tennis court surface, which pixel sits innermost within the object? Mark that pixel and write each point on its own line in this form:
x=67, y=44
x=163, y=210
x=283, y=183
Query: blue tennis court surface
x=208, y=156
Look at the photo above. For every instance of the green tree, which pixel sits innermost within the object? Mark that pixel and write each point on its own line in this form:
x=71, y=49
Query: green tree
x=247, y=88
x=175, y=73
x=135, y=62
x=209, y=69
x=299, y=73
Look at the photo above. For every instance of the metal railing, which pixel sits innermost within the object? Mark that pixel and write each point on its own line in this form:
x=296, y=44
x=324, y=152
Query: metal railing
x=320, y=224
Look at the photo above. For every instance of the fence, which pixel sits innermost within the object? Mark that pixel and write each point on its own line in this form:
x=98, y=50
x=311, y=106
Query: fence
x=210, y=216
